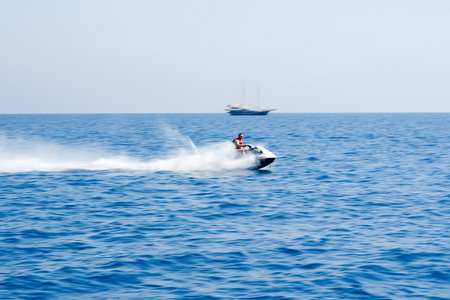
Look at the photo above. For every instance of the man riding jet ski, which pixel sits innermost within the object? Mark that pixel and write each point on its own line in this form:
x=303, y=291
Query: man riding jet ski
x=263, y=157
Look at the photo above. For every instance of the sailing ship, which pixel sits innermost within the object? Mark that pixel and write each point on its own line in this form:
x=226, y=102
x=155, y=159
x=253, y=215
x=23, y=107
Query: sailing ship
x=242, y=110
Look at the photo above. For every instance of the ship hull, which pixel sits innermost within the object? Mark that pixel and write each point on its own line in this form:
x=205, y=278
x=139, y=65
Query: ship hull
x=249, y=113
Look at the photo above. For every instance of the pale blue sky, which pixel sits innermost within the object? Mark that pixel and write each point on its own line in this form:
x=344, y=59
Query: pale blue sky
x=192, y=56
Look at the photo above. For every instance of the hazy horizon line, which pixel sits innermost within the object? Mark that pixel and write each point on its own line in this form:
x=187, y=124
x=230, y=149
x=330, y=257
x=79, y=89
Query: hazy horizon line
x=218, y=113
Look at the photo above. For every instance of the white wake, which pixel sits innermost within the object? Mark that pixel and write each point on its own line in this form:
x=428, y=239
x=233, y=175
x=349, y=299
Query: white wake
x=17, y=155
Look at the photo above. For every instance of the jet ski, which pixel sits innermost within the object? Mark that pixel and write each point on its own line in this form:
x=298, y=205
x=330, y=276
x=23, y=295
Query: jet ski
x=263, y=157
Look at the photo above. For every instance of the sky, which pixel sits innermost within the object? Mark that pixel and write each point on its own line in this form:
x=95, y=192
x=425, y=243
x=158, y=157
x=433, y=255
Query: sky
x=197, y=56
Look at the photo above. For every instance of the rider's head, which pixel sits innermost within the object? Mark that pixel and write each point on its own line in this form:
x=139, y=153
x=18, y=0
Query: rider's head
x=240, y=136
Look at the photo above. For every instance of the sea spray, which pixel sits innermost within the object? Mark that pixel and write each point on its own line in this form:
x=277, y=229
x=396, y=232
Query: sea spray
x=17, y=155
x=216, y=157
x=174, y=139
x=193, y=146
x=33, y=154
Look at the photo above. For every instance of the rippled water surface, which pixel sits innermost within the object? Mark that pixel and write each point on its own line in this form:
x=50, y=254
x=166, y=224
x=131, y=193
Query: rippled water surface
x=356, y=206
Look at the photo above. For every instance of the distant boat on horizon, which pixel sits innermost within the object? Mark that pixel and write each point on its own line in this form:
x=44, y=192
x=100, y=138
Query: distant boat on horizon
x=241, y=110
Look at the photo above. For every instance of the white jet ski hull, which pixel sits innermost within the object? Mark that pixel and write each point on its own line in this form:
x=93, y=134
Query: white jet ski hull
x=263, y=157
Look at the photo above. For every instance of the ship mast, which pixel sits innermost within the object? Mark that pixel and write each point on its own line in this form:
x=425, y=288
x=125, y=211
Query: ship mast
x=243, y=92
x=258, y=95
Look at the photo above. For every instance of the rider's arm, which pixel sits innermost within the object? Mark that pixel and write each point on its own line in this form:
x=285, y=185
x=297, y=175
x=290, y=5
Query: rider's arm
x=239, y=145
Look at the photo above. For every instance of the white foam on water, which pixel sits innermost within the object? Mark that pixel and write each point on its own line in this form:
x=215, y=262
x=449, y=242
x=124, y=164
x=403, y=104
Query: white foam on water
x=19, y=155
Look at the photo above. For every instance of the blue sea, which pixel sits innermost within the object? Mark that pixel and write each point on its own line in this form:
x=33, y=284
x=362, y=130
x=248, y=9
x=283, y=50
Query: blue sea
x=153, y=206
